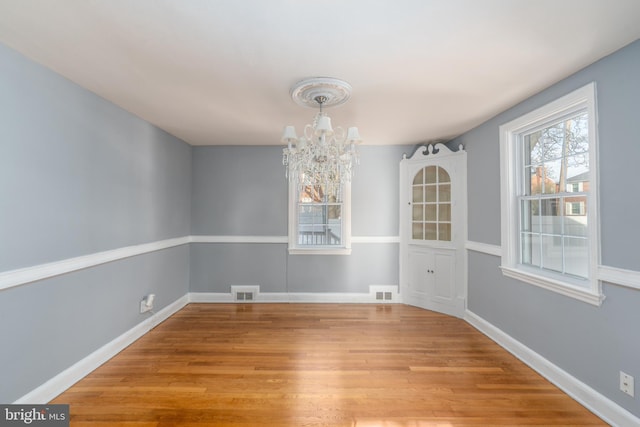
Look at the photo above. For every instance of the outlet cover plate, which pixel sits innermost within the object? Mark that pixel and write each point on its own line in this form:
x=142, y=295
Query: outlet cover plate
x=144, y=307
x=626, y=383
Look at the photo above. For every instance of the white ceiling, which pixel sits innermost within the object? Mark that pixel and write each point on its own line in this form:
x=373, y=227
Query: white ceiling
x=218, y=72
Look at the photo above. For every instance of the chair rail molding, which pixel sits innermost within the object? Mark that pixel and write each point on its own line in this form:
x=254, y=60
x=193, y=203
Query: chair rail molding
x=614, y=275
x=484, y=248
x=11, y=278
x=619, y=276
x=22, y=276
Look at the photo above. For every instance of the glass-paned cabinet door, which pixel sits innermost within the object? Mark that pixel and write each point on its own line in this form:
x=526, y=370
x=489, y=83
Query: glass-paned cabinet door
x=431, y=204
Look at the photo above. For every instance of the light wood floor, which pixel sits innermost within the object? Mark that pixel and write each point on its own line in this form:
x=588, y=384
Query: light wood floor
x=317, y=365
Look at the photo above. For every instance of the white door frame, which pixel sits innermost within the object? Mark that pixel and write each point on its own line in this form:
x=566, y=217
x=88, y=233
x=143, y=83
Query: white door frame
x=455, y=162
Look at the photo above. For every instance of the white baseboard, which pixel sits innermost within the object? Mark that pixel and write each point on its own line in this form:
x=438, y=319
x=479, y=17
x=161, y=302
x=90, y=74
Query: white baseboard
x=597, y=403
x=204, y=297
x=65, y=379
x=283, y=297
x=301, y=297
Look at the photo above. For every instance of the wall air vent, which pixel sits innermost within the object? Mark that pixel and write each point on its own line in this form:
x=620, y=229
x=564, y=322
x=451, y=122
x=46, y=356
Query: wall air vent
x=384, y=296
x=244, y=296
x=244, y=293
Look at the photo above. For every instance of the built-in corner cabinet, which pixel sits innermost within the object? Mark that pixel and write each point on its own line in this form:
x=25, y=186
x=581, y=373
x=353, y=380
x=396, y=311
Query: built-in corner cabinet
x=433, y=229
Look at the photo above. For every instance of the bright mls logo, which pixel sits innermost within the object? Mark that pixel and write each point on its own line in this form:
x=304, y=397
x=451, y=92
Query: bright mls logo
x=34, y=415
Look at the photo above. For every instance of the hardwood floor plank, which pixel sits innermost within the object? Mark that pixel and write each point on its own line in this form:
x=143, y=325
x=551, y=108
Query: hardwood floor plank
x=317, y=365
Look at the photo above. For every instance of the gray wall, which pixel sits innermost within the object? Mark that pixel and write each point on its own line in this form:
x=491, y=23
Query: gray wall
x=243, y=191
x=239, y=191
x=79, y=175
x=591, y=343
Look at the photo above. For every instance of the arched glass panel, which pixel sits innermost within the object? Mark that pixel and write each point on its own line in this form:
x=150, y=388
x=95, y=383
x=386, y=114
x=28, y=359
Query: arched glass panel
x=431, y=204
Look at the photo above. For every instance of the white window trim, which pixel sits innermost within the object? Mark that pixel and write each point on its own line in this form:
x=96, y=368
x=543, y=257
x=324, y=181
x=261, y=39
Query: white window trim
x=583, y=98
x=344, y=249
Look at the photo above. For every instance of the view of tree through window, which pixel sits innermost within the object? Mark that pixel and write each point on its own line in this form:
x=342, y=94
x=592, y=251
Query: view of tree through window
x=554, y=197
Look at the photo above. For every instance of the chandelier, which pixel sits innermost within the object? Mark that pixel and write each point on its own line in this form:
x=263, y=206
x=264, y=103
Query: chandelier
x=322, y=155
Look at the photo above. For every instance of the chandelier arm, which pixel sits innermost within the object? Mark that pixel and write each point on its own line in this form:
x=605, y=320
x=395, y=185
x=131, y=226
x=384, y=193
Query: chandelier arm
x=309, y=131
x=339, y=134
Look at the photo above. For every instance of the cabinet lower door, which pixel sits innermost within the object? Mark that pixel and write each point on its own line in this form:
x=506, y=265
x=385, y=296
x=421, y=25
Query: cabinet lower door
x=431, y=283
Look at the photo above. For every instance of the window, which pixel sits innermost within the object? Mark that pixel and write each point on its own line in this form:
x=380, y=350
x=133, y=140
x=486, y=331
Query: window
x=575, y=187
x=548, y=196
x=575, y=208
x=319, y=219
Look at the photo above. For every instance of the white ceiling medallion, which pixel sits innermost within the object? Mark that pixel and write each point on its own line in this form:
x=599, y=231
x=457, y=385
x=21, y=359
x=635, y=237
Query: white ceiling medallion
x=333, y=92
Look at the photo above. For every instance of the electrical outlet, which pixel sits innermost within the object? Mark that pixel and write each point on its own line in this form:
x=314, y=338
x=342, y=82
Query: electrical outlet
x=626, y=383
x=147, y=303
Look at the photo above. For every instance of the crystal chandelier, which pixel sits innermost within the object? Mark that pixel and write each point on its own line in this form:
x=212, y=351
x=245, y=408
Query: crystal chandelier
x=322, y=155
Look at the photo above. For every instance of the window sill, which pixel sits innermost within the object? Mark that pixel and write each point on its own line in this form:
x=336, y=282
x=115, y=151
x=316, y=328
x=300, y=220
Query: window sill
x=564, y=288
x=319, y=251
